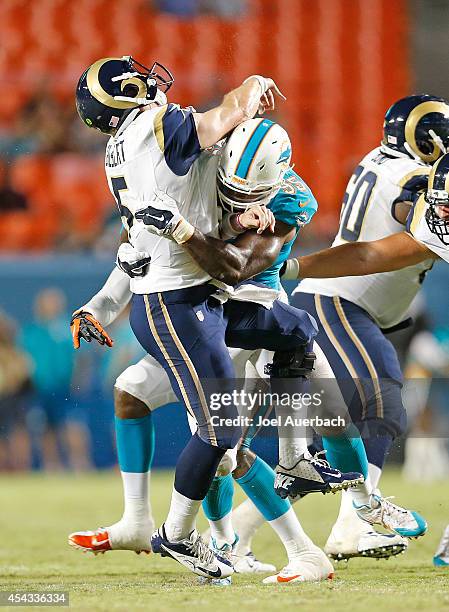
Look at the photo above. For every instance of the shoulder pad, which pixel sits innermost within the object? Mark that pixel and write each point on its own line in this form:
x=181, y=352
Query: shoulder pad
x=294, y=204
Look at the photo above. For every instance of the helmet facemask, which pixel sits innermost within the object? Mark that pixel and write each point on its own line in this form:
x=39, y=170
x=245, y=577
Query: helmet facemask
x=438, y=225
x=236, y=198
x=142, y=85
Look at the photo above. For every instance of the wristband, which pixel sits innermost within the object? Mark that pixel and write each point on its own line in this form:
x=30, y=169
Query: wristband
x=261, y=80
x=291, y=271
x=227, y=229
x=183, y=231
x=240, y=228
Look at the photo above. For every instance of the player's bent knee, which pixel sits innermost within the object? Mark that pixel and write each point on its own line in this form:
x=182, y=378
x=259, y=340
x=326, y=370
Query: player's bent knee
x=126, y=406
x=226, y=441
x=245, y=459
x=393, y=422
x=228, y=463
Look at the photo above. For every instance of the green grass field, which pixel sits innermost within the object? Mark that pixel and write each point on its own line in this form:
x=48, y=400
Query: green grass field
x=39, y=511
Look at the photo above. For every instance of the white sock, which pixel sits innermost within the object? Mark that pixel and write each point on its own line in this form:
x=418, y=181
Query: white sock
x=246, y=520
x=291, y=534
x=291, y=449
x=360, y=494
x=181, y=516
x=346, y=507
x=374, y=473
x=135, y=527
x=135, y=492
x=222, y=530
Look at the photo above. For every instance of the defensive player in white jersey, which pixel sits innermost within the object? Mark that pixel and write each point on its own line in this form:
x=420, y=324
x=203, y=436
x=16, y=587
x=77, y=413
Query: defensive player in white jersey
x=155, y=145
x=355, y=313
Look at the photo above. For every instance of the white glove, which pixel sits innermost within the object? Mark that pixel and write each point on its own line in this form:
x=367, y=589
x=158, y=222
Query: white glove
x=163, y=218
x=132, y=262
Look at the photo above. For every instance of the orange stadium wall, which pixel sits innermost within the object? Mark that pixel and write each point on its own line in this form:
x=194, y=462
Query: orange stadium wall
x=341, y=63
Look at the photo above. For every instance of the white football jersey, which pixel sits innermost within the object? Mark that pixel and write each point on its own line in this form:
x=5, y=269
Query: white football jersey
x=368, y=214
x=418, y=228
x=159, y=149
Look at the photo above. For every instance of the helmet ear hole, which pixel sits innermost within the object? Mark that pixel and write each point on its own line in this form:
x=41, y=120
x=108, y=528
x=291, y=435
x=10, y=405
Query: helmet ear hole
x=130, y=90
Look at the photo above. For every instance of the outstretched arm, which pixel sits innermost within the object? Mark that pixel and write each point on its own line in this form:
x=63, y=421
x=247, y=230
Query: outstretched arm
x=359, y=258
x=255, y=93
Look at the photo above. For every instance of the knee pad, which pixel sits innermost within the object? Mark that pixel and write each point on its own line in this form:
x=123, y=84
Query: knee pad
x=294, y=363
x=134, y=381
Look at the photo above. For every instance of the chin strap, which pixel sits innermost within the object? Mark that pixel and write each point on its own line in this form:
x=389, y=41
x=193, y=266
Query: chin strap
x=160, y=99
x=411, y=152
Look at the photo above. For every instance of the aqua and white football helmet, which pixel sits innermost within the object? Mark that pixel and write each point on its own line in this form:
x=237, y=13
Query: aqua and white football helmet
x=252, y=164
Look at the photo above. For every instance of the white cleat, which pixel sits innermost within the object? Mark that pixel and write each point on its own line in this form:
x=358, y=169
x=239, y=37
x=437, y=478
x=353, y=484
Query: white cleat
x=309, y=566
x=381, y=511
x=355, y=538
x=250, y=565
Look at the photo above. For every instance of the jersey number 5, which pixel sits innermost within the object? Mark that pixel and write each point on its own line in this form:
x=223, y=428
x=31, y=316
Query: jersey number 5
x=118, y=185
x=355, y=203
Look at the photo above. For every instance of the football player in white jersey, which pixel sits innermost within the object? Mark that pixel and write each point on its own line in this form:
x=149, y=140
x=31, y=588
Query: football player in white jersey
x=154, y=145
x=390, y=264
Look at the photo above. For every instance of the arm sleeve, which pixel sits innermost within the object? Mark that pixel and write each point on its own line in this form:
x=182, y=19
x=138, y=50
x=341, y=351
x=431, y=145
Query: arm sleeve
x=177, y=138
x=111, y=300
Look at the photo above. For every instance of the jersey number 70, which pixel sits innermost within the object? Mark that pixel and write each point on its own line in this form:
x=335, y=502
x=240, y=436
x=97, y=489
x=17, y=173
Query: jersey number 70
x=355, y=203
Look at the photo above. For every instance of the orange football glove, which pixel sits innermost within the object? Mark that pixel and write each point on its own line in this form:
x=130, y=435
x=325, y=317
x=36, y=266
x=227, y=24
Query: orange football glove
x=84, y=326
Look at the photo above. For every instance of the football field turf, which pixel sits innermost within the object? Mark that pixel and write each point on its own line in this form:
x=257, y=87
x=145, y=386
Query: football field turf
x=39, y=511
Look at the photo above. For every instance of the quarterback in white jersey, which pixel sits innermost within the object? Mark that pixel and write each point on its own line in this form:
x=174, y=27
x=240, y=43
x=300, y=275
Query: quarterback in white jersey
x=156, y=146
x=355, y=312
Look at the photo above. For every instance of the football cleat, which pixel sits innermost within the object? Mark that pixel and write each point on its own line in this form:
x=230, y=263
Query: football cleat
x=119, y=536
x=193, y=553
x=312, y=475
x=91, y=541
x=369, y=544
x=381, y=511
x=250, y=565
x=439, y=561
x=309, y=566
x=226, y=551
x=441, y=558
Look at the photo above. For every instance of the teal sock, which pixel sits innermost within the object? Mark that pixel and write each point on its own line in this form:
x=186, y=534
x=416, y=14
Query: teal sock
x=135, y=443
x=347, y=452
x=258, y=484
x=218, y=501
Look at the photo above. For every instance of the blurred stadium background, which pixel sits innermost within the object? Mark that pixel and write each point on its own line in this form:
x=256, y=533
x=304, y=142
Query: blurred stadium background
x=341, y=63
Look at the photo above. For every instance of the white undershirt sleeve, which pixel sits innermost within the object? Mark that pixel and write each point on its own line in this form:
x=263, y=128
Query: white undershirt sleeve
x=112, y=299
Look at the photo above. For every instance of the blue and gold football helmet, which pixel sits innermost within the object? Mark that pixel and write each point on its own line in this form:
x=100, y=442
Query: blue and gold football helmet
x=111, y=87
x=417, y=126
